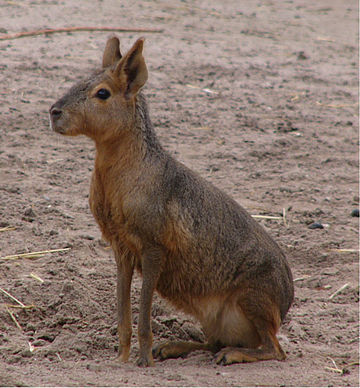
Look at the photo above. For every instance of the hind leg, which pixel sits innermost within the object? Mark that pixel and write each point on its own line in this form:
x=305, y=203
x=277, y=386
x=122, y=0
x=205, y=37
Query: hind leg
x=265, y=317
x=269, y=350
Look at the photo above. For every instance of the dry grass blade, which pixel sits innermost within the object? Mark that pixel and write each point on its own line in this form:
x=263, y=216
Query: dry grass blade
x=267, y=217
x=206, y=90
x=353, y=363
x=36, y=277
x=341, y=289
x=284, y=214
x=302, y=278
x=7, y=229
x=335, y=370
x=12, y=297
x=26, y=307
x=345, y=250
x=336, y=105
x=31, y=347
x=13, y=318
x=75, y=29
x=33, y=255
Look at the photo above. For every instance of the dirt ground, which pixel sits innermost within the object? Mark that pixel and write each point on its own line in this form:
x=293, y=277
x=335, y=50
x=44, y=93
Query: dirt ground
x=259, y=97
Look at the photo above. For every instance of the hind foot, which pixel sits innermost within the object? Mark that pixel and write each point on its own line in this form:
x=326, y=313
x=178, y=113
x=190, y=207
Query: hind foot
x=177, y=349
x=232, y=355
x=237, y=355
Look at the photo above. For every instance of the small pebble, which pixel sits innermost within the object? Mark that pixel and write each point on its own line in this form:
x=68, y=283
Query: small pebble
x=29, y=212
x=355, y=213
x=316, y=225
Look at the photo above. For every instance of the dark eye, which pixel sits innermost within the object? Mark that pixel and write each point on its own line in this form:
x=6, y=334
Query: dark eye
x=103, y=94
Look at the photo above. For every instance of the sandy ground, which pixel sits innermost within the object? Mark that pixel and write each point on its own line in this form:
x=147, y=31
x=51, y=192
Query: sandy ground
x=278, y=130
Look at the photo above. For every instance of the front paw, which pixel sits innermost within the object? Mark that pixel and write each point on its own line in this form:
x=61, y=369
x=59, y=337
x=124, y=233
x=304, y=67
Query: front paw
x=122, y=358
x=145, y=361
x=124, y=354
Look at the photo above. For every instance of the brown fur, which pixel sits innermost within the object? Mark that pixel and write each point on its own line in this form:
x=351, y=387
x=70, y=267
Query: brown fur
x=191, y=242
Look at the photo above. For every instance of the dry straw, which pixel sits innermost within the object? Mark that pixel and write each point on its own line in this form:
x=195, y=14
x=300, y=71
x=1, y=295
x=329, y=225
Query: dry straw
x=33, y=255
x=7, y=229
x=49, y=31
x=340, y=290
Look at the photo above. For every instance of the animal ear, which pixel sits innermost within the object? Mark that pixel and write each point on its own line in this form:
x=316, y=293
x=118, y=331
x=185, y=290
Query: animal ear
x=112, y=52
x=131, y=71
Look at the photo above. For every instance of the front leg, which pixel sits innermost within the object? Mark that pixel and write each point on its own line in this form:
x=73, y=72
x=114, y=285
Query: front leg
x=125, y=269
x=151, y=267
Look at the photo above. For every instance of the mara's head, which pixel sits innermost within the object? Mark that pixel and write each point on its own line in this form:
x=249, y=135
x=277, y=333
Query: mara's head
x=104, y=104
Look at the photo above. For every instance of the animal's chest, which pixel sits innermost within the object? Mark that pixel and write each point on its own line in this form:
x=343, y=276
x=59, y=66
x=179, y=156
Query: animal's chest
x=105, y=208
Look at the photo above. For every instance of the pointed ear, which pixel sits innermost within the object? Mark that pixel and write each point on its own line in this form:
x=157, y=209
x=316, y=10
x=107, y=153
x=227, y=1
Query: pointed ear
x=131, y=70
x=112, y=52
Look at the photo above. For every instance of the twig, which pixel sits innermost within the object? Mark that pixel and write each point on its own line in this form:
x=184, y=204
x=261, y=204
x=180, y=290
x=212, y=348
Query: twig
x=33, y=255
x=13, y=318
x=12, y=297
x=332, y=296
x=7, y=229
x=48, y=31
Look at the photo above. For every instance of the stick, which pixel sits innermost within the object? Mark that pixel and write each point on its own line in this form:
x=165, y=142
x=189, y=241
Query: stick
x=332, y=296
x=12, y=297
x=33, y=255
x=48, y=31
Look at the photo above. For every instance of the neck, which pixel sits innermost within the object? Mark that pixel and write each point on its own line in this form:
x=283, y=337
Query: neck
x=120, y=154
x=133, y=147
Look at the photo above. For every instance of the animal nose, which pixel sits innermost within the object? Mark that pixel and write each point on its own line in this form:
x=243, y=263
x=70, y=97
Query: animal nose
x=55, y=112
